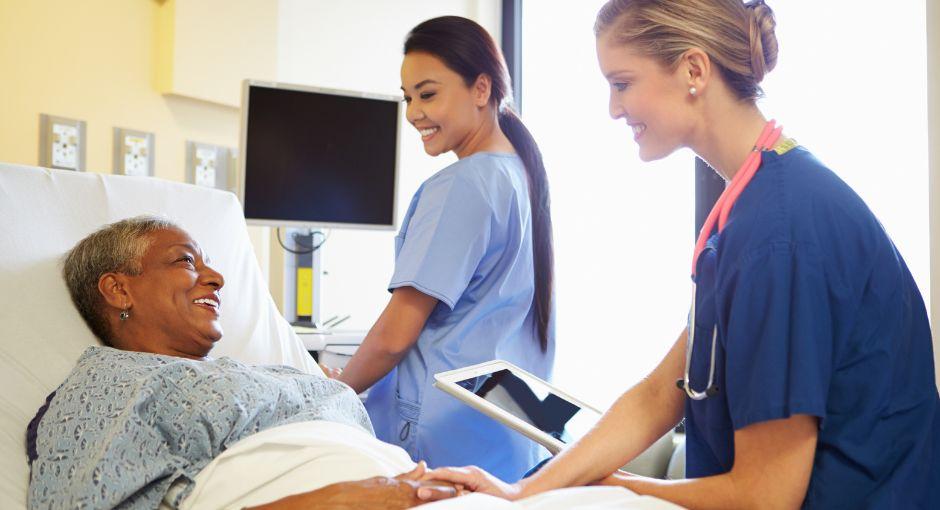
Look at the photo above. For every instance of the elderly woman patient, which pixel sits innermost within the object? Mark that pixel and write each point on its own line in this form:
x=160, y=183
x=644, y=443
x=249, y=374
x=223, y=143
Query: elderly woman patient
x=144, y=413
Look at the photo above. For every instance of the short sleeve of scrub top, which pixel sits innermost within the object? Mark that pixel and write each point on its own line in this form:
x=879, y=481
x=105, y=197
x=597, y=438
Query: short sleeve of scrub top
x=778, y=342
x=447, y=235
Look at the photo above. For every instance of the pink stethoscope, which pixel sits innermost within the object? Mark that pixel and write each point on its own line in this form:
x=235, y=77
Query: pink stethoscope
x=719, y=214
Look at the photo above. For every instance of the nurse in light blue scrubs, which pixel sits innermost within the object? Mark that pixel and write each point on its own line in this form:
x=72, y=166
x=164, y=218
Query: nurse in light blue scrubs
x=473, y=266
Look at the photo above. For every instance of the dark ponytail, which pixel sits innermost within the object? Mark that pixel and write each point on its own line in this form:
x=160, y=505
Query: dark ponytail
x=542, y=245
x=467, y=49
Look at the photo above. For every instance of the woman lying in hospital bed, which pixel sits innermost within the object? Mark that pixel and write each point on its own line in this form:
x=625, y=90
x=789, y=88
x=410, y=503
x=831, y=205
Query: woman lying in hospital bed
x=138, y=418
x=149, y=420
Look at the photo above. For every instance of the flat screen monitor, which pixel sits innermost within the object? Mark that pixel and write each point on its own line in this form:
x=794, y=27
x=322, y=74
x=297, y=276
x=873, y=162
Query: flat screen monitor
x=313, y=157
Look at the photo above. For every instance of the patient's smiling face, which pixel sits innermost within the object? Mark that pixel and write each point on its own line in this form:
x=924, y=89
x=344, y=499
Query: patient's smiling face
x=443, y=108
x=174, y=302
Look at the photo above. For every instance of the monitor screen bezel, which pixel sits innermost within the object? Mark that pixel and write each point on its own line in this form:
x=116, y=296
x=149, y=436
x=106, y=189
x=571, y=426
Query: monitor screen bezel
x=242, y=152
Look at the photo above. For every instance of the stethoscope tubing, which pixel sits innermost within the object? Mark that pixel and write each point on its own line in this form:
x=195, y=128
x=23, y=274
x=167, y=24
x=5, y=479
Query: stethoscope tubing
x=710, y=389
x=719, y=215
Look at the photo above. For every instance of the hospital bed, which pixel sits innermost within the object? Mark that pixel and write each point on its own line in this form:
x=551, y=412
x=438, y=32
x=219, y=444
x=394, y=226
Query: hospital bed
x=43, y=213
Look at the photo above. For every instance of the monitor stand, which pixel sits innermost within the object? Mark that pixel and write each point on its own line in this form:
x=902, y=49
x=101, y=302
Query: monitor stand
x=306, y=324
x=303, y=272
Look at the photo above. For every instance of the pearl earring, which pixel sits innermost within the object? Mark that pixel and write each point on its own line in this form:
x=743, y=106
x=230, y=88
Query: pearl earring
x=693, y=90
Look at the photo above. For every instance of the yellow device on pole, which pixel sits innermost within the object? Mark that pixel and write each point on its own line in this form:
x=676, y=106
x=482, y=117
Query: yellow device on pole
x=304, y=291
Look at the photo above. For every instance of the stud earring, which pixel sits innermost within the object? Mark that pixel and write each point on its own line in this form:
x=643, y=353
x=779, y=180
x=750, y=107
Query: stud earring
x=124, y=315
x=693, y=91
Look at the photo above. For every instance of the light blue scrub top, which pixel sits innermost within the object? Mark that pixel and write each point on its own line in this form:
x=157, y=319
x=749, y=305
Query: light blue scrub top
x=467, y=241
x=817, y=314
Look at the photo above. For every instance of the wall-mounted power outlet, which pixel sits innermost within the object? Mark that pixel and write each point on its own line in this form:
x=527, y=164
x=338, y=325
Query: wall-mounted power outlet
x=208, y=165
x=133, y=152
x=61, y=142
x=233, y=171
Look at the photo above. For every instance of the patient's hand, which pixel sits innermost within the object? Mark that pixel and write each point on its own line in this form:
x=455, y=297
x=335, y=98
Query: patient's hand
x=376, y=492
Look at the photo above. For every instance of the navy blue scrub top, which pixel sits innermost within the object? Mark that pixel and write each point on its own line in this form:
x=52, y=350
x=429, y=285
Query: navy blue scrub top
x=817, y=314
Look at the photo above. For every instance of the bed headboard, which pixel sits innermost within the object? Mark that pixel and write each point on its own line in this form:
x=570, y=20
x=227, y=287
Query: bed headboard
x=43, y=213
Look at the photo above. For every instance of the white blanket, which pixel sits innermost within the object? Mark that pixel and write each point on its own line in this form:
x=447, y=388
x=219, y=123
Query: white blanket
x=305, y=456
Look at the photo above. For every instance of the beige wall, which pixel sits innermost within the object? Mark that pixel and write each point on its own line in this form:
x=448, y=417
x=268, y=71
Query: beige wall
x=933, y=102
x=207, y=47
x=105, y=61
x=95, y=60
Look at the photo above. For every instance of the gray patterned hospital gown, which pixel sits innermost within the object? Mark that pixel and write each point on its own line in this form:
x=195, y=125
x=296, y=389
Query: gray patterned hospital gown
x=125, y=425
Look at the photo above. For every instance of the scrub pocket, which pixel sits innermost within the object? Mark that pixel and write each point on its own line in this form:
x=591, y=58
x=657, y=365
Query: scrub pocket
x=407, y=428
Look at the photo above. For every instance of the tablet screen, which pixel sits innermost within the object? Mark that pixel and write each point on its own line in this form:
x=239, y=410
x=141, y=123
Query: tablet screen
x=533, y=402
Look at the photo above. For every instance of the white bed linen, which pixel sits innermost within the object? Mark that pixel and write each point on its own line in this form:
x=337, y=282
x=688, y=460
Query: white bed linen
x=305, y=456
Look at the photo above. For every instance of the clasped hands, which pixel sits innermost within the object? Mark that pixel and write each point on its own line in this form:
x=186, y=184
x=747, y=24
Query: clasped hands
x=407, y=490
x=473, y=479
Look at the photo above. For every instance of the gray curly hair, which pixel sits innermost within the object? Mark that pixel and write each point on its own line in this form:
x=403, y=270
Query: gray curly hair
x=114, y=248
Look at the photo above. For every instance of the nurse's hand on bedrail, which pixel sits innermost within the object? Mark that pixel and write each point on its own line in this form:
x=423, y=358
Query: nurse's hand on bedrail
x=474, y=479
x=379, y=492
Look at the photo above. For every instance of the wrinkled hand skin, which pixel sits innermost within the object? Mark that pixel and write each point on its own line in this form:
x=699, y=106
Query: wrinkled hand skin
x=376, y=492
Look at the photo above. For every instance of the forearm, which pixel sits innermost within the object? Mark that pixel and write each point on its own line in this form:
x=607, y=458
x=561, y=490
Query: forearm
x=372, y=361
x=772, y=467
x=619, y=434
x=636, y=420
x=713, y=492
x=377, y=492
x=389, y=339
x=719, y=492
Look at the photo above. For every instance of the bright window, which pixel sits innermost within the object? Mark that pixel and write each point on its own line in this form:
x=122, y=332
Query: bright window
x=850, y=85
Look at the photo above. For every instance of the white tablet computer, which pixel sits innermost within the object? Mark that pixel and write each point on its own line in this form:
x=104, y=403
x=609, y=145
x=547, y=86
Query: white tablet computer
x=522, y=401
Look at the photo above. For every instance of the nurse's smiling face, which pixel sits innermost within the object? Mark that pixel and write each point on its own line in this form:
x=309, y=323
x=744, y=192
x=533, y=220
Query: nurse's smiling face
x=444, y=110
x=652, y=99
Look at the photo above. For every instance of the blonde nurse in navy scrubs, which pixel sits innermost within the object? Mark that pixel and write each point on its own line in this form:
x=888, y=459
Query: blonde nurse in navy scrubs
x=805, y=375
x=473, y=266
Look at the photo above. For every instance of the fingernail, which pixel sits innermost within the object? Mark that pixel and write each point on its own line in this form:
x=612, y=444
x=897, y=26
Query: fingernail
x=424, y=493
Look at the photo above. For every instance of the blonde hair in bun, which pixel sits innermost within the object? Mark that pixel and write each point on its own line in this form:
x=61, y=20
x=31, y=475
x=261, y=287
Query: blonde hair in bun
x=739, y=37
x=763, y=41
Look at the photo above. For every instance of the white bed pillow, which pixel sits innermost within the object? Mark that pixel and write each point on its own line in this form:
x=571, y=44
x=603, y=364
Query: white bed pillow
x=43, y=213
